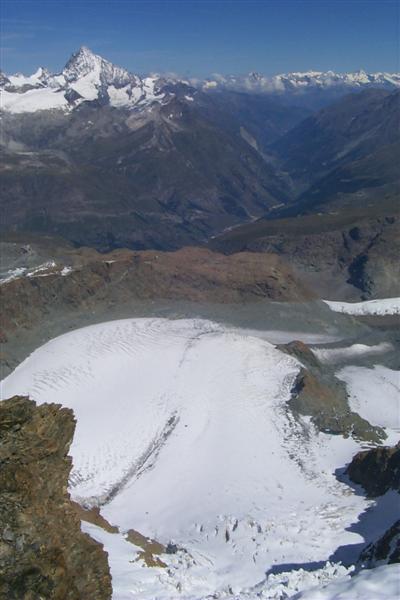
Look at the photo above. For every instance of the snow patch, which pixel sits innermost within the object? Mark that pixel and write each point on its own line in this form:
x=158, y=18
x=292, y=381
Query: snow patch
x=375, y=395
x=33, y=100
x=334, y=355
x=384, y=306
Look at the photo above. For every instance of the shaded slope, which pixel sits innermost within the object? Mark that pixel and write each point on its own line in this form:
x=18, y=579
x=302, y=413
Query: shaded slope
x=353, y=254
x=346, y=154
x=160, y=178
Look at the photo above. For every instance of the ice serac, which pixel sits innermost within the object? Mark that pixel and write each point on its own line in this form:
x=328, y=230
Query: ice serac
x=42, y=548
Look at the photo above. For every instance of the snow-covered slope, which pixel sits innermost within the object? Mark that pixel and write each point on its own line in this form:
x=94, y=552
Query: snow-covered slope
x=33, y=100
x=85, y=77
x=183, y=433
x=37, y=79
x=382, y=583
x=384, y=306
x=88, y=77
x=375, y=395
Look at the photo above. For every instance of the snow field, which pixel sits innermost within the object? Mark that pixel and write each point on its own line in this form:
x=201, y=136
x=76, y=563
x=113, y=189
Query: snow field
x=375, y=395
x=183, y=434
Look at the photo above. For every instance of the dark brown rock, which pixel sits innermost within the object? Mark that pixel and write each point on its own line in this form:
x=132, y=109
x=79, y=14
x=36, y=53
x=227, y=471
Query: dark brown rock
x=302, y=352
x=385, y=550
x=43, y=553
x=319, y=394
x=377, y=470
x=324, y=399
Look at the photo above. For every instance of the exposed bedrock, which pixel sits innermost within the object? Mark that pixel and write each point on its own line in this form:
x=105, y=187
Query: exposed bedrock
x=376, y=470
x=340, y=255
x=317, y=393
x=385, y=550
x=43, y=552
x=122, y=277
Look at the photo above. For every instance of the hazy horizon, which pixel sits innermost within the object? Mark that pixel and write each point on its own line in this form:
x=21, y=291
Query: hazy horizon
x=197, y=39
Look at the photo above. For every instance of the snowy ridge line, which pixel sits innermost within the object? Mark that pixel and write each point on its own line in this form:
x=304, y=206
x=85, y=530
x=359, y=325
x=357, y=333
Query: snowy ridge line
x=85, y=78
x=300, y=81
x=89, y=77
x=384, y=306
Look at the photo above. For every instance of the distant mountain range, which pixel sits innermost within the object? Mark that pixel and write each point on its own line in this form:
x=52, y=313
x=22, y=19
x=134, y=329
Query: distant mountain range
x=303, y=81
x=108, y=159
x=89, y=77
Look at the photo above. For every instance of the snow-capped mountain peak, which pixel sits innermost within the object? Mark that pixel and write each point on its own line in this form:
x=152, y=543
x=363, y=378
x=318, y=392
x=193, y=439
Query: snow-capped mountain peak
x=84, y=62
x=86, y=77
x=298, y=81
x=37, y=79
x=89, y=77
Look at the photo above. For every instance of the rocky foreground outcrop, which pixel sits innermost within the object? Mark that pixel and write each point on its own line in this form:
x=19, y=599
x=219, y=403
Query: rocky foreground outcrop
x=385, y=550
x=43, y=553
x=376, y=470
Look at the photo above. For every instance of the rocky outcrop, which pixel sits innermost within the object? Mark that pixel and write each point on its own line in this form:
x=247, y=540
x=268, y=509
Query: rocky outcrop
x=326, y=403
x=122, y=276
x=386, y=550
x=317, y=393
x=43, y=553
x=376, y=470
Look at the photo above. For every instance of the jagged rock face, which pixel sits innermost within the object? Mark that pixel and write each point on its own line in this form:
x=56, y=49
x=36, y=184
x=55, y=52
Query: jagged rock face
x=84, y=62
x=377, y=470
x=43, y=553
x=386, y=550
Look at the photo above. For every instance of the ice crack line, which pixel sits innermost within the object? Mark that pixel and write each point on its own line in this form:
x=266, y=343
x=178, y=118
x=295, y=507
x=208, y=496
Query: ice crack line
x=145, y=462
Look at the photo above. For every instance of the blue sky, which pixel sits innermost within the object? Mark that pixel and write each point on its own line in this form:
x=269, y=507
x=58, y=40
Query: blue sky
x=203, y=37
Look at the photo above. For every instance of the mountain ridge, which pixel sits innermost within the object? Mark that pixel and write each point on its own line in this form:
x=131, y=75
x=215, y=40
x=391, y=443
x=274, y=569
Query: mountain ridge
x=88, y=76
